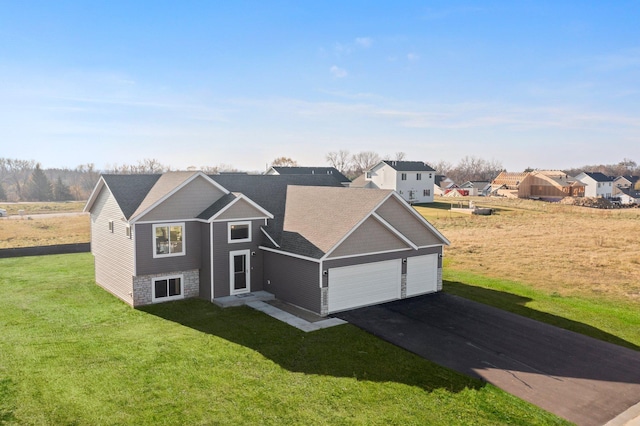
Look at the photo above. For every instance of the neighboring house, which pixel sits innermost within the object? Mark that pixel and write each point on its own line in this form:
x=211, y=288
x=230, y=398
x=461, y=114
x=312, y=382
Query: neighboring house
x=331, y=171
x=629, y=196
x=413, y=180
x=550, y=185
x=506, y=184
x=624, y=182
x=303, y=238
x=597, y=184
x=477, y=188
x=441, y=184
x=456, y=192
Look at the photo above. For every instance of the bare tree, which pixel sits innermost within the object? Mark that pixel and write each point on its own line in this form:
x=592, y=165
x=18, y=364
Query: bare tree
x=220, y=168
x=18, y=173
x=400, y=156
x=471, y=168
x=442, y=167
x=364, y=161
x=284, y=162
x=341, y=160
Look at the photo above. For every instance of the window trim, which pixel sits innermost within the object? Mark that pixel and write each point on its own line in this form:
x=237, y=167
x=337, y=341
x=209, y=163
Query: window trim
x=153, y=239
x=243, y=240
x=111, y=226
x=155, y=299
x=418, y=176
x=403, y=176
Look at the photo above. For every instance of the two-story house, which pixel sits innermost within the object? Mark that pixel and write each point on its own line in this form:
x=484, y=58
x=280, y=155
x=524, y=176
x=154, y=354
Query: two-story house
x=303, y=238
x=413, y=180
x=597, y=184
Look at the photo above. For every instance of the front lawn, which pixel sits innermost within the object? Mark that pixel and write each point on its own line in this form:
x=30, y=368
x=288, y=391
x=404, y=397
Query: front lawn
x=70, y=353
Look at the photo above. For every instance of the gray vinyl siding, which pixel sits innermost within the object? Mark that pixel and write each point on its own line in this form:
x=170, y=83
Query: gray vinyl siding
x=241, y=209
x=370, y=237
x=293, y=280
x=145, y=246
x=221, y=249
x=406, y=223
x=336, y=263
x=113, y=251
x=205, y=269
x=188, y=202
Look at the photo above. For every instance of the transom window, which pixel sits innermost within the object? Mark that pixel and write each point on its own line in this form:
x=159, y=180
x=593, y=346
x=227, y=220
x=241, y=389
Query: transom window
x=239, y=232
x=167, y=288
x=168, y=239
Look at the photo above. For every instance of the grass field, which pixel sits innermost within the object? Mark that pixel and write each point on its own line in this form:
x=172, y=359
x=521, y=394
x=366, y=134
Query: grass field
x=574, y=267
x=43, y=207
x=71, y=353
x=44, y=231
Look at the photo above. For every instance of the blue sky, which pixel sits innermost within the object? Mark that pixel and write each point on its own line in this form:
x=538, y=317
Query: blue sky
x=543, y=84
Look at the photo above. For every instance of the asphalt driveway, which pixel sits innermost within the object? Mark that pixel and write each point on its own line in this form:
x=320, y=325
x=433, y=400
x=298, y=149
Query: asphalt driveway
x=581, y=379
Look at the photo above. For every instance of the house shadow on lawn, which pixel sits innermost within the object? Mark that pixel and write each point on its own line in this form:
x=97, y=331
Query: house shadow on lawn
x=517, y=305
x=343, y=351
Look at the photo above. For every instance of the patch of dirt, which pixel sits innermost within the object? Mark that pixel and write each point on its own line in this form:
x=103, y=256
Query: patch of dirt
x=596, y=203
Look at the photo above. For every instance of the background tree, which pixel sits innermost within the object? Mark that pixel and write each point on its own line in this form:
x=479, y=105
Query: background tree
x=341, y=160
x=3, y=194
x=363, y=161
x=469, y=168
x=61, y=192
x=18, y=173
x=38, y=187
x=284, y=162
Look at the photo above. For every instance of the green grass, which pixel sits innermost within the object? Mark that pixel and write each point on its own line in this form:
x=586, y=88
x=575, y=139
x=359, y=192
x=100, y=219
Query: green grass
x=70, y=353
x=614, y=321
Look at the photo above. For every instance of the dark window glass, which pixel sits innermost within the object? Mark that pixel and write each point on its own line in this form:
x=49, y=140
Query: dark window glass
x=161, y=288
x=174, y=287
x=239, y=232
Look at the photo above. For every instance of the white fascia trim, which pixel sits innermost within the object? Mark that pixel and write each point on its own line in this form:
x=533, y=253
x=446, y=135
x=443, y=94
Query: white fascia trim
x=269, y=237
x=146, y=222
x=178, y=188
x=430, y=246
x=320, y=272
x=394, y=230
x=240, y=219
x=367, y=254
x=211, y=256
x=421, y=219
x=238, y=198
x=286, y=253
x=356, y=226
x=134, y=235
x=94, y=194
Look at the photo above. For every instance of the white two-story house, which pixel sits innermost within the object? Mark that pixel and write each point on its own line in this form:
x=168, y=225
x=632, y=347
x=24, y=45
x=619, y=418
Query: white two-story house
x=412, y=180
x=597, y=184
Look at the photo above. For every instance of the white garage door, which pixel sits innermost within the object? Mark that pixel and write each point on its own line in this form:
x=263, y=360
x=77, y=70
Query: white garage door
x=366, y=284
x=422, y=274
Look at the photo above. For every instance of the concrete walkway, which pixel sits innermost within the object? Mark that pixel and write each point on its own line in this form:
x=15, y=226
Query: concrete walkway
x=265, y=302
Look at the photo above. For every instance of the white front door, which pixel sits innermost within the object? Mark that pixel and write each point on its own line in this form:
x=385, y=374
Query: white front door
x=240, y=271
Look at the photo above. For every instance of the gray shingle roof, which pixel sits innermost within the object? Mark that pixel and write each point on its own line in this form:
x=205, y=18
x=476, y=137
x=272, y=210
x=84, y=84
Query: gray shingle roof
x=130, y=190
x=323, y=216
x=599, y=177
x=270, y=192
x=217, y=206
x=409, y=166
x=332, y=171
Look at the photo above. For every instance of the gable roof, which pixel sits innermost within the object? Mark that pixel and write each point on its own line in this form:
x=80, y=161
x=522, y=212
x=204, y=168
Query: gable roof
x=308, y=208
x=332, y=171
x=270, y=192
x=166, y=185
x=128, y=190
x=556, y=178
x=407, y=166
x=599, y=177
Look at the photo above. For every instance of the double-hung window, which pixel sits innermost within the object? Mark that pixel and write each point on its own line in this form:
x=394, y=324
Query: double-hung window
x=403, y=176
x=418, y=176
x=168, y=239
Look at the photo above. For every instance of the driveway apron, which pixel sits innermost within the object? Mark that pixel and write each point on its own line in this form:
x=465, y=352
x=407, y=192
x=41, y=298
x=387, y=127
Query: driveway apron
x=581, y=379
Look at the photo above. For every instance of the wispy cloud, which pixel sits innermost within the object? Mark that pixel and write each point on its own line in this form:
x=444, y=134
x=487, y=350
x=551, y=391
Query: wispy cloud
x=364, y=42
x=413, y=57
x=338, y=72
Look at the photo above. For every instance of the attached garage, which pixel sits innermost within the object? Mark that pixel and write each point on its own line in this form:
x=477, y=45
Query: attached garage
x=422, y=274
x=365, y=284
